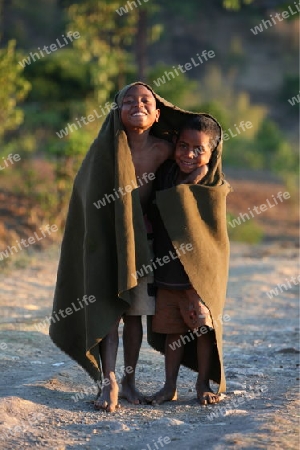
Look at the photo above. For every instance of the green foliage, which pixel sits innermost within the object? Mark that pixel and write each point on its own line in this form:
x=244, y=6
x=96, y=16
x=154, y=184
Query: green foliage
x=75, y=145
x=24, y=20
x=14, y=89
x=283, y=6
x=279, y=155
x=104, y=37
x=249, y=232
x=262, y=146
x=217, y=88
x=235, y=4
x=237, y=57
x=289, y=89
x=175, y=91
x=59, y=78
x=267, y=150
x=216, y=110
x=269, y=137
x=59, y=87
x=241, y=152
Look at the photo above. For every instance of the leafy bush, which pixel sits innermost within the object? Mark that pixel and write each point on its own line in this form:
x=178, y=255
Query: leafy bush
x=289, y=89
x=249, y=232
x=180, y=90
x=14, y=89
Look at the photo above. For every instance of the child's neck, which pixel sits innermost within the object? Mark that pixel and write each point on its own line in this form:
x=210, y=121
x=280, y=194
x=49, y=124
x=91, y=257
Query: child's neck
x=137, y=139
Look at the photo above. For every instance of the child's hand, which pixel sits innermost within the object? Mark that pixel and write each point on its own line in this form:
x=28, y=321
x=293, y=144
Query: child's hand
x=196, y=176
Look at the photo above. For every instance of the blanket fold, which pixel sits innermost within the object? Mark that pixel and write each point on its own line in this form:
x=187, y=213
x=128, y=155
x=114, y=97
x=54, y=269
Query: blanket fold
x=196, y=215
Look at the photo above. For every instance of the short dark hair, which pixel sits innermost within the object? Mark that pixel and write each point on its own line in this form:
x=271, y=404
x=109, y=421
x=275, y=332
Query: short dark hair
x=206, y=124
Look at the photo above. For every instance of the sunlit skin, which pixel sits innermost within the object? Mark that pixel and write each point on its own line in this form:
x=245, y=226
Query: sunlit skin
x=192, y=154
x=138, y=113
x=173, y=359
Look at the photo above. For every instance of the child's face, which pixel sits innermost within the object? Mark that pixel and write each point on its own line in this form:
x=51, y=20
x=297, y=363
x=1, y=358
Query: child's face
x=192, y=150
x=138, y=109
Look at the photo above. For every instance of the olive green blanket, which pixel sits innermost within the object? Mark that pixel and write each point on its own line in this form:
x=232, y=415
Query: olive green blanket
x=195, y=214
x=105, y=243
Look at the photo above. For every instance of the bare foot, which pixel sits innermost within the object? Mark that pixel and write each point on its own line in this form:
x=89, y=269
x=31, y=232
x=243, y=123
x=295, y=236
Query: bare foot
x=166, y=394
x=108, y=400
x=130, y=393
x=205, y=395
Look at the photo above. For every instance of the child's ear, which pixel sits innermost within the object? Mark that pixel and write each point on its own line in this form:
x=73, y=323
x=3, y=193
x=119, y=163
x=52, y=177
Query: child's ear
x=157, y=115
x=175, y=138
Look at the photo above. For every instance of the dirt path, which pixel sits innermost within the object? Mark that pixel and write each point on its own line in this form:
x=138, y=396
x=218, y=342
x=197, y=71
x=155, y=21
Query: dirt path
x=40, y=386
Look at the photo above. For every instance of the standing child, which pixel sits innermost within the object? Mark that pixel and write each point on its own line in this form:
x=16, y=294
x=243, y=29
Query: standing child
x=138, y=113
x=189, y=221
x=105, y=240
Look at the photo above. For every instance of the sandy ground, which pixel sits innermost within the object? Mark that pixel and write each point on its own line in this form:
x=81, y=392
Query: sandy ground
x=40, y=404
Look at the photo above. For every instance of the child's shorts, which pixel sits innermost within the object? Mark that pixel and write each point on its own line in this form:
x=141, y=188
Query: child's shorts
x=175, y=312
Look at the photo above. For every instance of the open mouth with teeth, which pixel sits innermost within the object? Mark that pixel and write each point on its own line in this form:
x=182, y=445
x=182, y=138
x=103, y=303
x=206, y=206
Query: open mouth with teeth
x=137, y=114
x=186, y=163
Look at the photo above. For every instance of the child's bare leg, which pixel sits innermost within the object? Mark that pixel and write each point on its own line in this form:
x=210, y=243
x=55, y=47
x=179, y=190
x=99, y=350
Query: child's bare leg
x=108, y=400
x=173, y=358
x=132, y=341
x=205, y=344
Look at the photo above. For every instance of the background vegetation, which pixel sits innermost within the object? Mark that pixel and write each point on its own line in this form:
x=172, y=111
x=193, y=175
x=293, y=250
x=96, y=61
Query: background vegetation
x=43, y=97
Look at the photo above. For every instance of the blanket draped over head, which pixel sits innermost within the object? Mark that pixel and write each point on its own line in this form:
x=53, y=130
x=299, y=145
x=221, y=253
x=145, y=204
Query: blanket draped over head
x=105, y=244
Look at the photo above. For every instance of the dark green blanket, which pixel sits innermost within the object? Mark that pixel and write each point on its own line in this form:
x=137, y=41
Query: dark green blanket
x=195, y=214
x=103, y=247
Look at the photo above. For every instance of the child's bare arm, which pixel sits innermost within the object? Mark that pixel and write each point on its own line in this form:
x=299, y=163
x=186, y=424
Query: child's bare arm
x=196, y=176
